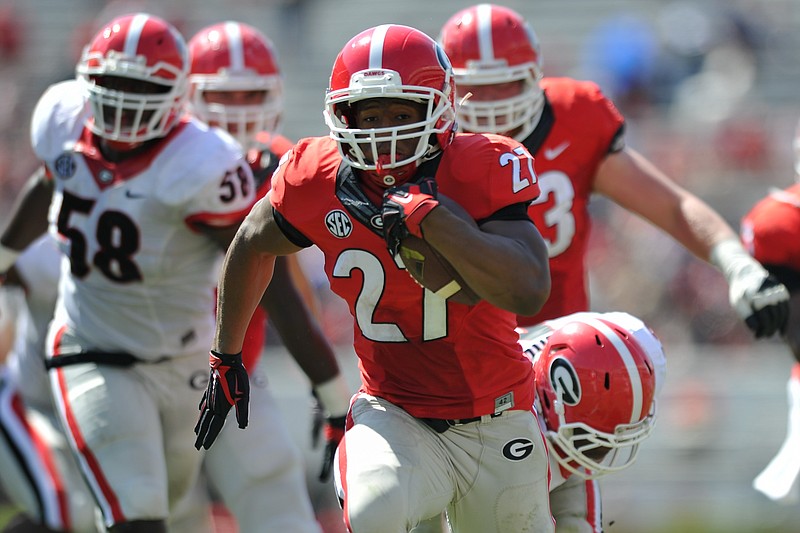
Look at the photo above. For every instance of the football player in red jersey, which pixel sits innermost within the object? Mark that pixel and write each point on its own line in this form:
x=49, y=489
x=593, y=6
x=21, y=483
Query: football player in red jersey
x=443, y=419
x=597, y=378
x=771, y=232
x=235, y=83
x=577, y=137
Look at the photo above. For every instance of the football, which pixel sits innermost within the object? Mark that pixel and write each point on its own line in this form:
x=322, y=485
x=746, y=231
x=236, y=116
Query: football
x=431, y=270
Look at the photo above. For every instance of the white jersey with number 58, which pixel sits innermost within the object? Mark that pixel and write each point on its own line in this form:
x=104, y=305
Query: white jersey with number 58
x=139, y=275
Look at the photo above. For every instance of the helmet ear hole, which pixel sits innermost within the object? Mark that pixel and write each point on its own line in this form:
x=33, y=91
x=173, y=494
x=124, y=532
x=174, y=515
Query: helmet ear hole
x=607, y=381
x=345, y=112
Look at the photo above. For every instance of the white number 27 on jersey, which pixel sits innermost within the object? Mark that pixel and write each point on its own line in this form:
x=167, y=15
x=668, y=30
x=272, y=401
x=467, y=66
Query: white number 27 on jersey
x=520, y=178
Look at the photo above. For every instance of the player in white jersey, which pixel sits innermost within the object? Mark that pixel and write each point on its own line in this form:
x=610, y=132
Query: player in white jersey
x=594, y=427
x=37, y=469
x=141, y=199
x=39, y=473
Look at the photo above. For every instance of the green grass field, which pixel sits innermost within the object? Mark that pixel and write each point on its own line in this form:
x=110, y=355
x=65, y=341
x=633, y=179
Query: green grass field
x=6, y=512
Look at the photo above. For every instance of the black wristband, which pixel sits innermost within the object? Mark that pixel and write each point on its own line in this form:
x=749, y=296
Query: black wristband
x=228, y=359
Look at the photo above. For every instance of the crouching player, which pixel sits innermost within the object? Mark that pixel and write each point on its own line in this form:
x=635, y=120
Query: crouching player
x=597, y=377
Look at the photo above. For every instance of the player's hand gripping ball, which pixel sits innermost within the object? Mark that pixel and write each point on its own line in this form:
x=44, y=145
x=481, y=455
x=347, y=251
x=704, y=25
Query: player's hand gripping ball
x=428, y=268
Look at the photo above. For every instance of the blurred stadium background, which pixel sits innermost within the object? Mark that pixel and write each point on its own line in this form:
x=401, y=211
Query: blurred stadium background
x=710, y=92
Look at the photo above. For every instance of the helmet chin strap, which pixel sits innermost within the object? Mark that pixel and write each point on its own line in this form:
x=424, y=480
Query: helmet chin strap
x=389, y=177
x=119, y=147
x=383, y=173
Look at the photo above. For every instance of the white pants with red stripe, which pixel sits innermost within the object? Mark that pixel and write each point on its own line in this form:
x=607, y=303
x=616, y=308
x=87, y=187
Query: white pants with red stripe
x=37, y=469
x=132, y=430
x=576, y=506
x=574, y=502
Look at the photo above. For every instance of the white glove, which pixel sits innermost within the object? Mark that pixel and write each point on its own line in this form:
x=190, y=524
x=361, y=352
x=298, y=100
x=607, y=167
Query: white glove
x=758, y=298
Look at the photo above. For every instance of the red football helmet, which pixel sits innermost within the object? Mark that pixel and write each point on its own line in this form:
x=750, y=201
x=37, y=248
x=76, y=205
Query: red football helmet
x=134, y=73
x=489, y=45
x=595, y=386
x=391, y=61
x=233, y=57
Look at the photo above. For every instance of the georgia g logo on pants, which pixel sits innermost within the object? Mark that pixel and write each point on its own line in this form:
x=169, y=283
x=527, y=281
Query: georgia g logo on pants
x=518, y=449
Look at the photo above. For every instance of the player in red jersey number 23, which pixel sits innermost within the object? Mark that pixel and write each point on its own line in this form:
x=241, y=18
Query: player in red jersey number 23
x=577, y=137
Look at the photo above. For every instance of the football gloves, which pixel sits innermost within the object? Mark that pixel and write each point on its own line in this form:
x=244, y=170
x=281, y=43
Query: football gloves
x=332, y=427
x=404, y=207
x=758, y=298
x=228, y=386
x=761, y=301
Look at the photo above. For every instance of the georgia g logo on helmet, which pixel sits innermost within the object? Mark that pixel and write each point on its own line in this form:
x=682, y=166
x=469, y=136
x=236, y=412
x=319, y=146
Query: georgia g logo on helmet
x=565, y=381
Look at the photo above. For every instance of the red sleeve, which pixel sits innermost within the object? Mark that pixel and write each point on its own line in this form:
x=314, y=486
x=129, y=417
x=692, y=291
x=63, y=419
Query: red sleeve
x=298, y=184
x=279, y=145
x=485, y=173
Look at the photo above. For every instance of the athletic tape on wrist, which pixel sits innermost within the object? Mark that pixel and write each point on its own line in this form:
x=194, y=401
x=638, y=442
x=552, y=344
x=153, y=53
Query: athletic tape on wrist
x=334, y=395
x=7, y=258
x=730, y=257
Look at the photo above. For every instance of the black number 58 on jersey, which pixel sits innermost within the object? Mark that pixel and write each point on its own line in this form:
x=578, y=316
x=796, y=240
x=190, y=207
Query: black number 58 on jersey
x=117, y=238
x=235, y=184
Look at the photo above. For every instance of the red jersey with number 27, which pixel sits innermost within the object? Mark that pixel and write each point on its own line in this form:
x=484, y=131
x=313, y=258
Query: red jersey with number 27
x=432, y=357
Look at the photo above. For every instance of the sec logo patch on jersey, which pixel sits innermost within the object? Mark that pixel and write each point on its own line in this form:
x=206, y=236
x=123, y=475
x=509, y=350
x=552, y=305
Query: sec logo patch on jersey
x=64, y=166
x=339, y=224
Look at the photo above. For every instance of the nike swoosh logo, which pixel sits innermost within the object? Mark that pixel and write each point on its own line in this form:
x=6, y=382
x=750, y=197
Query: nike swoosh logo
x=552, y=153
x=133, y=195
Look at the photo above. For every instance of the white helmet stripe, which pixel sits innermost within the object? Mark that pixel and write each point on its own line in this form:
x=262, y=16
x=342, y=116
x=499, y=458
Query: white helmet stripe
x=376, y=46
x=630, y=366
x=235, y=47
x=485, y=32
x=135, y=31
